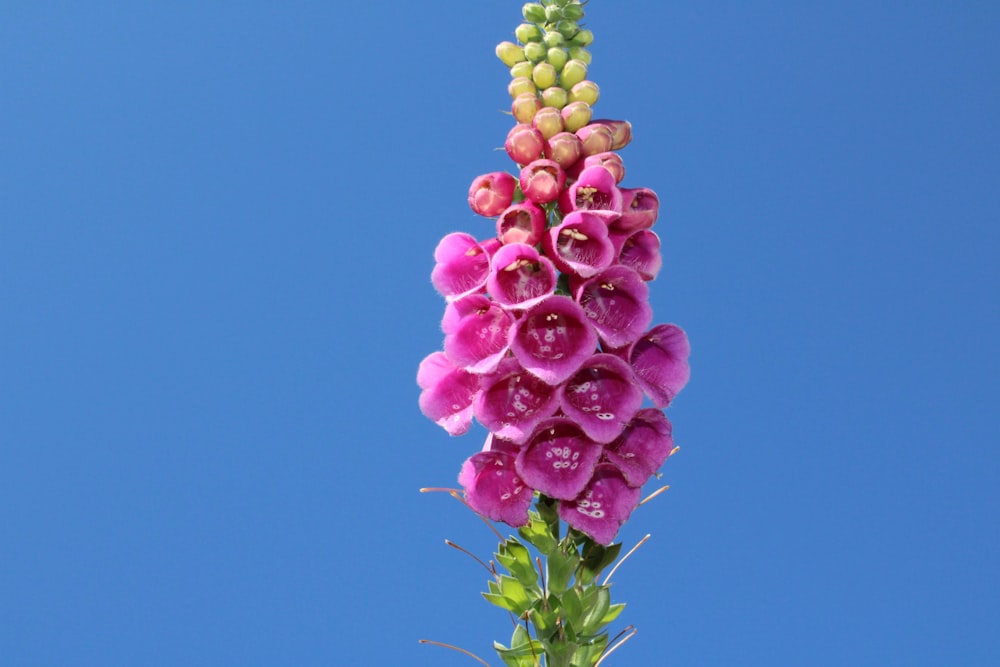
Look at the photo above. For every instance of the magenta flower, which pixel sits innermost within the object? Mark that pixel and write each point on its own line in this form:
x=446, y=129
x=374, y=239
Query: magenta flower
x=659, y=361
x=524, y=144
x=552, y=339
x=596, y=139
x=617, y=302
x=542, y=181
x=448, y=393
x=461, y=268
x=595, y=190
x=610, y=161
x=494, y=489
x=641, y=252
x=642, y=447
x=511, y=401
x=603, y=506
x=521, y=223
x=640, y=206
x=558, y=459
x=491, y=193
x=580, y=244
x=477, y=332
x=520, y=277
x=601, y=397
x=621, y=131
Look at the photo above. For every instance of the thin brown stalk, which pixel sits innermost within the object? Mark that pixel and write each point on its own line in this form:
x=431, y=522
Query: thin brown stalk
x=455, y=648
x=654, y=494
x=623, y=558
x=615, y=647
x=471, y=555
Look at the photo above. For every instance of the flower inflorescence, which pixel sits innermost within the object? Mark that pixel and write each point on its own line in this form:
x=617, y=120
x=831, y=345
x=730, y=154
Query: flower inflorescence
x=549, y=336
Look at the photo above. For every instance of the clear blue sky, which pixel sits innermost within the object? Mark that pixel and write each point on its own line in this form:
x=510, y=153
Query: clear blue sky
x=216, y=229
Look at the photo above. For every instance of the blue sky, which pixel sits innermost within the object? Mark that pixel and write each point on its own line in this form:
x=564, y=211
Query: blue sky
x=216, y=228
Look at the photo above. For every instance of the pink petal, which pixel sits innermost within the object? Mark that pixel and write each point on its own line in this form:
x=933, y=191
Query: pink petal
x=641, y=252
x=520, y=276
x=617, y=302
x=642, y=447
x=659, y=360
x=603, y=506
x=601, y=397
x=558, y=459
x=512, y=402
x=580, y=244
x=477, y=332
x=494, y=489
x=448, y=393
x=462, y=266
x=553, y=338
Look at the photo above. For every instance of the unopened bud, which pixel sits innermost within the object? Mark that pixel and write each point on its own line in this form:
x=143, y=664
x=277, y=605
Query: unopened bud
x=524, y=144
x=525, y=106
x=576, y=115
x=535, y=52
x=548, y=120
x=553, y=13
x=583, y=38
x=581, y=54
x=568, y=28
x=555, y=97
x=510, y=53
x=542, y=180
x=573, y=11
x=573, y=72
x=522, y=68
x=553, y=38
x=521, y=85
x=557, y=56
x=527, y=32
x=564, y=149
x=585, y=91
x=491, y=193
x=533, y=12
x=596, y=139
x=544, y=75
x=620, y=129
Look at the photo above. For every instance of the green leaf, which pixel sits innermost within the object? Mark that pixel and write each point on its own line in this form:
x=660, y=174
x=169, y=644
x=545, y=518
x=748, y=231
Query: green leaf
x=587, y=654
x=544, y=619
x=572, y=608
x=597, y=608
x=613, y=612
x=502, y=602
x=560, y=567
x=517, y=559
x=539, y=534
x=596, y=558
x=514, y=590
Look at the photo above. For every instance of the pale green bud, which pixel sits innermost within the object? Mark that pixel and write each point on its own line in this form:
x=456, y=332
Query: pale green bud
x=576, y=115
x=583, y=38
x=533, y=12
x=568, y=28
x=548, y=120
x=553, y=13
x=585, y=91
x=521, y=85
x=580, y=53
x=544, y=75
x=555, y=97
x=557, y=56
x=573, y=11
x=527, y=32
x=535, y=52
x=510, y=53
x=522, y=68
x=573, y=72
x=553, y=38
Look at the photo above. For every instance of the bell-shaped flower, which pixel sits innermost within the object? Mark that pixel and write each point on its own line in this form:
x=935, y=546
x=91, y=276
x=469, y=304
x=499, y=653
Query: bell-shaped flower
x=524, y=144
x=621, y=131
x=565, y=149
x=512, y=401
x=601, y=397
x=609, y=160
x=617, y=302
x=477, y=332
x=521, y=223
x=558, y=459
x=659, y=360
x=491, y=193
x=542, y=181
x=604, y=505
x=579, y=244
x=520, y=276
x=595, y=190
x=640, y=251
x=642, y=447
x=448, y=393
x=494, y=489
x=552, y=339
x=596, y=139
x=462, y=266
x=640, y=206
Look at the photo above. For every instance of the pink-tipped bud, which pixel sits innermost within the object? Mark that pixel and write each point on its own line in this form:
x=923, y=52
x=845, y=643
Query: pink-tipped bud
x=524, y=143
x=548, y=121
x=525, y=106
x=621, y=130
x=521, y=223
x=610, y=161
x=521, y=85
x=596, y=139
x=522, y=69
x=555, y=97
x=585, y=91
x=491, y=193
x=573, y=72
x=564, y=148
x=542, y=180
x=576, y=115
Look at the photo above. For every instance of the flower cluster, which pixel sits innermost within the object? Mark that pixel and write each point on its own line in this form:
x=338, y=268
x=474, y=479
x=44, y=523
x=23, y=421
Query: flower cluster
x=548, y=333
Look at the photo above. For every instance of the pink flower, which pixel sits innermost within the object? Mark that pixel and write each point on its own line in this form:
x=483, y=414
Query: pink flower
x=595, y=190
x=520, y=277
x=448, y=393
x=601, y=397
x=552, y=339
x=564, y=148
x=621, y=131
x=462, y=266
x=521, y=223
x=641, y=252
x=524, y=143
x=640, y=206
x=580, y=244
x=512, y=401
x=542, y=181
x=494, y=489
x=491, y=193
x=477, y=331
x=617, y=302
x=642, y=447
x=659, y=361
x=603, y=506
x=558, y=459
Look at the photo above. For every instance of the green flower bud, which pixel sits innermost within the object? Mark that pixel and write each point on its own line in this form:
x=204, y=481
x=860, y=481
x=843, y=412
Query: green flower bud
x=527, y=32
x=568, y=28
x=583, y=38
x=535, y=52
x=521, y=85
x=557, y=56
x=553, y=13
x=533, y=12
x=544, y=75
x=553, y=38
x=522, y=68
x=510, y=53
x=555, y=96
x=525, y=106
x=573, y=11
x=573, y=72
x=548, y=120
x=580, y=53
x=575, y=115
x=585, y=91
